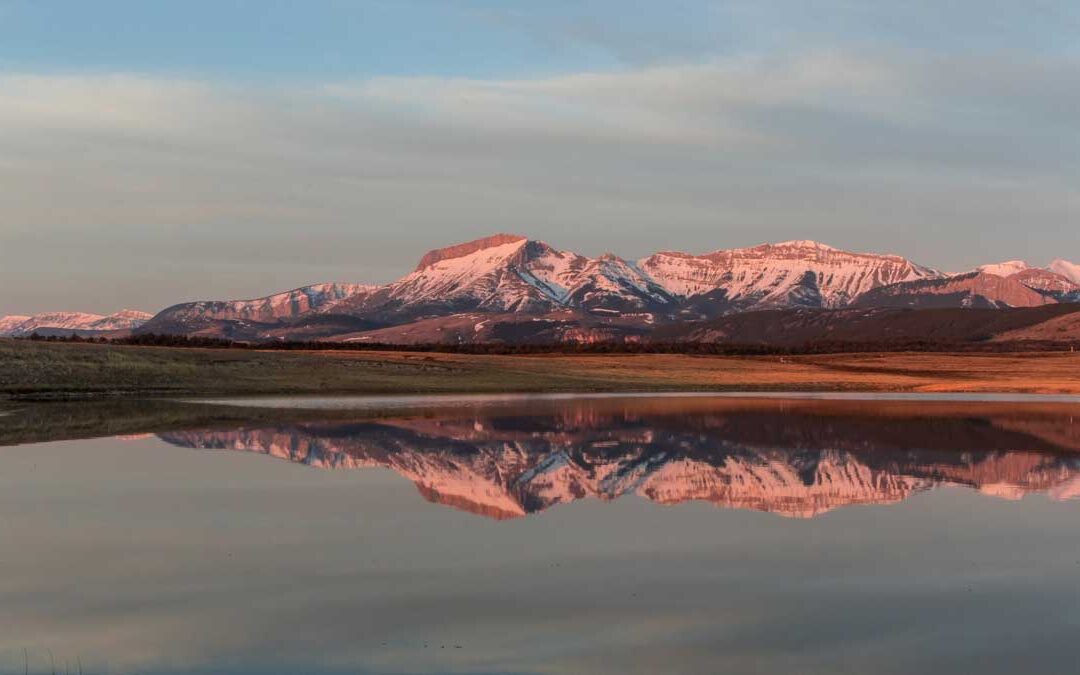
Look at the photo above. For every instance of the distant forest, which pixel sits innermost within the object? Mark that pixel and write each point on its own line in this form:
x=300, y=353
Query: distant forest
x=597, y=348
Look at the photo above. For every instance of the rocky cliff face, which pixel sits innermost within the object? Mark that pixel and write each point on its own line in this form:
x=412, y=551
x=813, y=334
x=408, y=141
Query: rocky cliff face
x=789, y=274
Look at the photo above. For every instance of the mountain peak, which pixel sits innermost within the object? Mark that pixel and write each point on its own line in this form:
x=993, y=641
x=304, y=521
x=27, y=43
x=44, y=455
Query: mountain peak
x=460, y=250
x=1004, y=269
x=73, y=321
x=513, y=275
x=803, y=243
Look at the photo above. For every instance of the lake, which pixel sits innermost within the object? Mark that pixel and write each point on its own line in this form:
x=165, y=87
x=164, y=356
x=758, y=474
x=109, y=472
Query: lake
x=547, y=534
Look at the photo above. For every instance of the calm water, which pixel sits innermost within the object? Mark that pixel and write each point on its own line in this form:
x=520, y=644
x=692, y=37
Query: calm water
x=537, y=535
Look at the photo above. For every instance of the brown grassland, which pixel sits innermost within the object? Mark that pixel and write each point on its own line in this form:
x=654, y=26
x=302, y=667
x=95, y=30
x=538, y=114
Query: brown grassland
x=37, y=370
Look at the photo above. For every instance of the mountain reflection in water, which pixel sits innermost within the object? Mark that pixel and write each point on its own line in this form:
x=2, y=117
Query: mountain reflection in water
x=793, y=458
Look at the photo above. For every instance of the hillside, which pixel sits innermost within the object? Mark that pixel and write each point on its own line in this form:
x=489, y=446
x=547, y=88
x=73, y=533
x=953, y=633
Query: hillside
x=797, y=327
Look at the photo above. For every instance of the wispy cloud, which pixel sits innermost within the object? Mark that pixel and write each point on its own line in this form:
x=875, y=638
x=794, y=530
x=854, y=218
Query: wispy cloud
x=871, y=149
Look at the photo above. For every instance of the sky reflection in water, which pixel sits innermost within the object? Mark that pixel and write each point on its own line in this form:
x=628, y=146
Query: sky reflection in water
x=566, y=536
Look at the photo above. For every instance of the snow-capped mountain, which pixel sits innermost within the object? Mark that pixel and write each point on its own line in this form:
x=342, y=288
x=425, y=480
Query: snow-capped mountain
x=532, y=290
x=504, y=272
x=1049, y=283
x=788, y=274
x=197, y=317
x=9, y=324
x=71, y=321
x=510, y=273
x=613, y=284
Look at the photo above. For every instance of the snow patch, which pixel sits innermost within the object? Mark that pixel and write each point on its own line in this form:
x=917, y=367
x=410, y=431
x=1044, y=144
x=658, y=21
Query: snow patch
x=1003, y=269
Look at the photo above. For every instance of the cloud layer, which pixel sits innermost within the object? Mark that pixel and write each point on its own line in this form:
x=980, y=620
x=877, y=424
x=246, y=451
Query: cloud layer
x=141, y=190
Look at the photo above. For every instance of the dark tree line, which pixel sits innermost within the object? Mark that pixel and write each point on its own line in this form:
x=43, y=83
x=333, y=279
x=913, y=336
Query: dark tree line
x=598, y=348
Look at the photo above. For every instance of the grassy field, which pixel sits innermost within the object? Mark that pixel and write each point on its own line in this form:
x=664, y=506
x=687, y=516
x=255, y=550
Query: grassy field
x=37, y=370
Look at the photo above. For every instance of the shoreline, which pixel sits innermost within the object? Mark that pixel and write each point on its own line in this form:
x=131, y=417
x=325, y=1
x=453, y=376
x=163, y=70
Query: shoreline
x=39, y=422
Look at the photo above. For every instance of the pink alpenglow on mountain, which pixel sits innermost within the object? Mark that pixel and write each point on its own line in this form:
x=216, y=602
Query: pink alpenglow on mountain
x=9, y=324
x=286, y=305
x=507, y=288
x=975, y=289
x=1004, y=269
x=788, y=274
x=57, y=322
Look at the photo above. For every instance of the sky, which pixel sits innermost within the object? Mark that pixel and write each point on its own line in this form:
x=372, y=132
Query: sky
x=160, y=152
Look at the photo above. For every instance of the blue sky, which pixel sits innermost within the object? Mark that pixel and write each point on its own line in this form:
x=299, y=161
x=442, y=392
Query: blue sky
x=274, y=40
x=153, y=152
x=278, y=40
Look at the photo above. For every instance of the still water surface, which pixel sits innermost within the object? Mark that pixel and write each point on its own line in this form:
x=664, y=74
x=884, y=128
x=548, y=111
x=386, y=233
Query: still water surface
x=565, y=535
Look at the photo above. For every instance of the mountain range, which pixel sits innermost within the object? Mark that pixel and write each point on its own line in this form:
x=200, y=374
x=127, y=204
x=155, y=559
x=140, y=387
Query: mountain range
x=508, y=288
x=66, y=323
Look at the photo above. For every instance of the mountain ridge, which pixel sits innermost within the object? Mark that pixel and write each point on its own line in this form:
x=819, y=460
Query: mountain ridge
x=519, y=281
x=77, y=322
x=510, y=273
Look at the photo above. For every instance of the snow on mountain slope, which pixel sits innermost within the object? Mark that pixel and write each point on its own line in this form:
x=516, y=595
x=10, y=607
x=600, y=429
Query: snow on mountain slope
x=509, y=273
x=8, y=324
x=122, y=320
x=1048, y=283
x=554, y=271
x=613, y=284
x=74, y=321
x=1003, y=269
x=793, y=273
x=64, y=320
x=269, y=309
x=490, y=273
x=1069, y=270
x=1053, y=281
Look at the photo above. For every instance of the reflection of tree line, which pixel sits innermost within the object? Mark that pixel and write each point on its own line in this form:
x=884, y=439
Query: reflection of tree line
x=794, y=464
